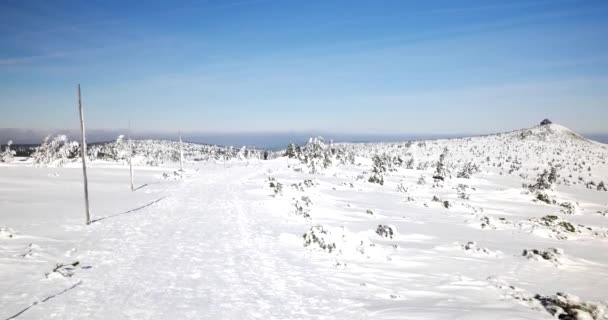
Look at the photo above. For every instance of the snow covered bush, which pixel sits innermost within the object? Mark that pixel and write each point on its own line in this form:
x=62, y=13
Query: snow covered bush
x=8, y=155
x=446, y=204
x=157, y=152
x=568, y=207
x=344, y=157
x=467, y=170
x=550, y=254
x=379, y=168
x=409, y=163
x=545, y=180
x=57, y=151
x=175, y=175
x=293, y=151
x=385, y=231
x=120, y=150
x=317, y=237
x=570, y=307
x=276, y=186
x=302, y=207
x=316, y=155
x=441, y=171
x=472, y=247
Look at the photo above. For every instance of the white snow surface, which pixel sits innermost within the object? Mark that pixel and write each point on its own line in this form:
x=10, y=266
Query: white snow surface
x=217, y=242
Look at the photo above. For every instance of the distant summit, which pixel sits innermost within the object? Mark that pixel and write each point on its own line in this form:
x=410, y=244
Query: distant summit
x=545, y=122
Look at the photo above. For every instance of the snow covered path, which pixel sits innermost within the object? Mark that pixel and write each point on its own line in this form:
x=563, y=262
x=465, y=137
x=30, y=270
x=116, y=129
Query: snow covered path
x=199, y=253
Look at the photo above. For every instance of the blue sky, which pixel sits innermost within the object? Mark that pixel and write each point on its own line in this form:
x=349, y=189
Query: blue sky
x=381, y=67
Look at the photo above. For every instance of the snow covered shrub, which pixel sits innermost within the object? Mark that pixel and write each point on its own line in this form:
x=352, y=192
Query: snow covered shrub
x=397, y=161
x=556, y=222
x=544, y=197
x=175, y=175
x=601, y=186
x=545, y=180
x=567, y=208
x=590, y=185
x=316, y=155
x=384, y=231
x=344, y=156
x=486, y=222
x=421, y=180
x=440, y=170
x=446, y=204
x=467, y=170
x=462, y=191
x=379, y=168
x=472, y=247
x=409, y=163
x=570, y=307
x=8, y=155
x=276, y=186
x=293, y=151
x=57, y=151
x=317, y=237
x=298, y=186
x=550, y=254
x=401, y=187
x=119, y=150
x=302, y=208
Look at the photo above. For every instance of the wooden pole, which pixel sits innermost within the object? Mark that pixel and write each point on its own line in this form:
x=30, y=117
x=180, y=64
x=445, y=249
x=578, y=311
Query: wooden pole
x=181, y=153
x=131, y=157
x=83, y=154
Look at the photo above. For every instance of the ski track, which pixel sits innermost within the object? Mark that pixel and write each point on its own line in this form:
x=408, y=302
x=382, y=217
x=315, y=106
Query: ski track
x=190, y=257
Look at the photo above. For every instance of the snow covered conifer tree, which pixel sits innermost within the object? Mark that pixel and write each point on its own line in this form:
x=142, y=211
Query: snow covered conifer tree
x=8, y=154
x=441, y=171
x=467, y=170
x=119, y=152
x=57, y=151
x=293, y=151
x=316, y=155
x=546, y=179
x=380, y=167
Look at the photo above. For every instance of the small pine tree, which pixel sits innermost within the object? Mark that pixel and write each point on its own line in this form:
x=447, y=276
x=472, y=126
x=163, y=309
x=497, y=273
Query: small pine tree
x=8, y=155
x=441, y=171
x=316, y=155
x=467, y=170
x=291, y=151
x=379, y=168
x=545, y=180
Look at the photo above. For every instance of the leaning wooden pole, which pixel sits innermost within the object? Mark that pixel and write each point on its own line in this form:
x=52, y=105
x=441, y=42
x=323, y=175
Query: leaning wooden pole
x=83, y=154
x=131, y=157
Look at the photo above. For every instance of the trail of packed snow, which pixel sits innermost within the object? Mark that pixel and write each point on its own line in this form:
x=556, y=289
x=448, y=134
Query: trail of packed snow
x=198, y=253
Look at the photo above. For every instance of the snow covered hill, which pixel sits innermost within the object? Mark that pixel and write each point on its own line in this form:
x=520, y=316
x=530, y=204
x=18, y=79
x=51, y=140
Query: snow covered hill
x=505, y=226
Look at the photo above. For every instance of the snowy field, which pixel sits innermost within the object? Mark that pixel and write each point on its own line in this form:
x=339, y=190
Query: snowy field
x=507, y=226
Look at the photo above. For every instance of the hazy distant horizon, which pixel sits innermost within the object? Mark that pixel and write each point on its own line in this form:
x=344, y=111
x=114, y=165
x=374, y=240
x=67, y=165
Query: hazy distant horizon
x=267, y=140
